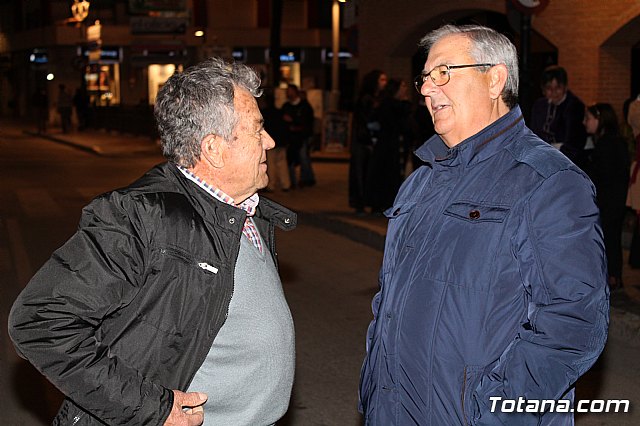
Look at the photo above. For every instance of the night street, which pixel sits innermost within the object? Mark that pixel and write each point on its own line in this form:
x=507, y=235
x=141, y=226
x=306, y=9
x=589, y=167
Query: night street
x=328, y=279
x=487, y=151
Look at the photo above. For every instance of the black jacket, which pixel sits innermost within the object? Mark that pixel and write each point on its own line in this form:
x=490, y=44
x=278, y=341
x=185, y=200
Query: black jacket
x=609, y=171
x=566, y=127
x=128, y=308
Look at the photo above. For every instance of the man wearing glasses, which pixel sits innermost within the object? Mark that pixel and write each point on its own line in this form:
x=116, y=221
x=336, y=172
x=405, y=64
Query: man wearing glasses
x=493, y=283
x=557, y=116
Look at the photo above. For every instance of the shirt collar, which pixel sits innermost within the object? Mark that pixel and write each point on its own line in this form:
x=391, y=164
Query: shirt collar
x=249, y=205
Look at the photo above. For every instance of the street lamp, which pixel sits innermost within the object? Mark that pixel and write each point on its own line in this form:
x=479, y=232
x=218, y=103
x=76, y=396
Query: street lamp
x=80, y=10
x=334, y=98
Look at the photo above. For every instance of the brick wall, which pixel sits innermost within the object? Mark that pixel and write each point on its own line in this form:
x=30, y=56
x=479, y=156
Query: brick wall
x=598, y=63
x=614, y=77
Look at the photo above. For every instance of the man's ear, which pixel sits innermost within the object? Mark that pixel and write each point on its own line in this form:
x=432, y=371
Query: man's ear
x=212, y=149
x=497, y=79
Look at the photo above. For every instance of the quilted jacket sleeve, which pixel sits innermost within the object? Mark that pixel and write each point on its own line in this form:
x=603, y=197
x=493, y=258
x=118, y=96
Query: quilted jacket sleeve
x=55, y=321
x=560, y=254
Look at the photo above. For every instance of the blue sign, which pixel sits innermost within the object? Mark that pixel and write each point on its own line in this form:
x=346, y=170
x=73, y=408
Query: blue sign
x=39, y=57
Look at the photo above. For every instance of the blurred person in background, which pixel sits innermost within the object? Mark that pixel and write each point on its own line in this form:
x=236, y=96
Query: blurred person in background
x=298, y=116
x=366, y=134
x=608, y=169
x=633, y=196
x=557, y=116
x=385, y=176
x=277, y=165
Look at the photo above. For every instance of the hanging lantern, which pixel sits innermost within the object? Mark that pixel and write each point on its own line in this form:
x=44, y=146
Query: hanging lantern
x=80, y=10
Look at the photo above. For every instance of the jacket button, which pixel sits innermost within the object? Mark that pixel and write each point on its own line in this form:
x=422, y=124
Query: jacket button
x=232, y=220
x=474, y=214
x=287, y=220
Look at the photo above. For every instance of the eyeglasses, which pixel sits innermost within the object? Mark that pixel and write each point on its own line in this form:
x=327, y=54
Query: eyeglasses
x=441, y=74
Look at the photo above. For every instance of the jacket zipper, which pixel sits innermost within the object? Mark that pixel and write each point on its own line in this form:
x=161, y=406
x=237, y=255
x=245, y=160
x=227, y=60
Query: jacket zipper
x=233, y=283
x=76, y=418
x=178, y=254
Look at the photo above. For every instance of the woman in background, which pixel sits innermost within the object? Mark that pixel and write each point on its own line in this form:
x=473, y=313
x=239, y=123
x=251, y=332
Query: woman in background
x=609, y=171
x=366, y=134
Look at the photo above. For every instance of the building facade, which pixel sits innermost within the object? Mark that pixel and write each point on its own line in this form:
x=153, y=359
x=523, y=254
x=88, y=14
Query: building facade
x=597, y=42
x=124, y=50
x=142, y=42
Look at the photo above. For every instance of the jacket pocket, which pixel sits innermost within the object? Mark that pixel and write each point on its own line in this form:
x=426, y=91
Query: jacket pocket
x=180, y=288
x=470, y=378
x=395, y=245
x=477, y=212
x=70, y=414
x=469, y=232
x=397, y=211
x=189, y=259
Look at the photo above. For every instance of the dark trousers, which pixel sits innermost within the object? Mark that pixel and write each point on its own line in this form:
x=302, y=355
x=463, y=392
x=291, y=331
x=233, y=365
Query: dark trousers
x=612, y=220
x=359, y=166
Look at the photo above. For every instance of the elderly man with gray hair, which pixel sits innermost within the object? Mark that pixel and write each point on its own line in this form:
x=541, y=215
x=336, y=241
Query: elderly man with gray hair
x=494, y=293
x=165, y=307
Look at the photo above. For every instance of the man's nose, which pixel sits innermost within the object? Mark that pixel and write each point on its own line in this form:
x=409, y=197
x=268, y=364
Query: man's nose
x=267, y=141
x=428, y=87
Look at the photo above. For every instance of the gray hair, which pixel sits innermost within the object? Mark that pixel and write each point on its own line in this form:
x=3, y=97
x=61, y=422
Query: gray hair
x=488, y=46
x=199, y=102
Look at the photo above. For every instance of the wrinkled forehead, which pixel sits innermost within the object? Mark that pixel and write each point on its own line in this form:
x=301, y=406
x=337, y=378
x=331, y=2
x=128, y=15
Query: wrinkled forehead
x=244, y=102
x=246, y=109
x=450, y=50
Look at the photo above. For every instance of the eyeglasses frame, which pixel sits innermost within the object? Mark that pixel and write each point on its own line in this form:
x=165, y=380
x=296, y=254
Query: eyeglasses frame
x=421, y=78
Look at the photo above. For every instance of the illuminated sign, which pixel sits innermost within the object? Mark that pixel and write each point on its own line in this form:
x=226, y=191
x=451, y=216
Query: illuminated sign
x=287, y=55
x=39, y=57
x=327, y=55
x=239, y=54
x=104, y=55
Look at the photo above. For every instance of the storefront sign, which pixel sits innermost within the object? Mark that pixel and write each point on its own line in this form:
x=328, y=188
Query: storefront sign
x=165, y=52
x=158, y=25
x=146, y=6
x=104, y=55
x=327, y=55
x=38, y=57
x=239, y=54
x=287, y=55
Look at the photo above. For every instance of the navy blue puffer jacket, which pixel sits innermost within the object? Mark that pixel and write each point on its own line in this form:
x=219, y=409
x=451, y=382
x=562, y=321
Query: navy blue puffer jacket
x=493, y=284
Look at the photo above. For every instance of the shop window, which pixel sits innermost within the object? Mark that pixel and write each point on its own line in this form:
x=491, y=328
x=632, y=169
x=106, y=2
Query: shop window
x=103, y=84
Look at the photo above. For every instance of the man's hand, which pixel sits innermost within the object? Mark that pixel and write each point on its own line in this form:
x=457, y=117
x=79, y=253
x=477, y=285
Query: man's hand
x=187, y=409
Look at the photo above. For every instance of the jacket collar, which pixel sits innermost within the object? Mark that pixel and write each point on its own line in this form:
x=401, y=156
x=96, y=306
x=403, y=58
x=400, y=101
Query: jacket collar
x=476, y=148
x=216, y=211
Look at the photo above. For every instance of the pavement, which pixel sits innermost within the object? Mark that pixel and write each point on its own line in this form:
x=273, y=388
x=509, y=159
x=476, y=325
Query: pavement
x=325, y=205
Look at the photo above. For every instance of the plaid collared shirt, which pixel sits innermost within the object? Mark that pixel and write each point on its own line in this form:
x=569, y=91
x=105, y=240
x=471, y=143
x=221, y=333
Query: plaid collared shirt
x=249, y=205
